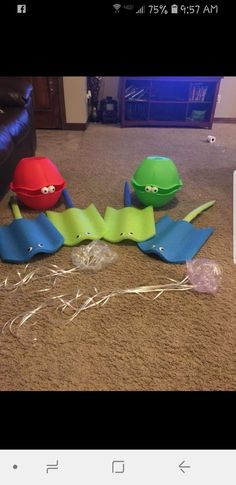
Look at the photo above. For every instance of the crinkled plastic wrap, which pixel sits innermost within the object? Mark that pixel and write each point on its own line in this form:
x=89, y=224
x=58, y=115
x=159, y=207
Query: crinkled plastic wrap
x=204, y=274
x=94, y=257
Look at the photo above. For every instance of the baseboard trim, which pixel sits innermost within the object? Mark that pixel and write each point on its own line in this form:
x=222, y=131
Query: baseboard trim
x=75, y=126
x=224, y=120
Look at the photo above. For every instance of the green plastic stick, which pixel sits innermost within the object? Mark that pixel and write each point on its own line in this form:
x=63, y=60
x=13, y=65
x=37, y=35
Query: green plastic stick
x=195, y=212
x=15, y=209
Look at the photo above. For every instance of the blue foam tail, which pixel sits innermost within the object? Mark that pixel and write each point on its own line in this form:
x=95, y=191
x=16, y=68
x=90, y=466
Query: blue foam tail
x=67, y=198
x=127, y=196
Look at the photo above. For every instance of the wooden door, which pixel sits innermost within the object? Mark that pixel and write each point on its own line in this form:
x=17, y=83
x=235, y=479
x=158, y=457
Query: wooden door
x=48, y=102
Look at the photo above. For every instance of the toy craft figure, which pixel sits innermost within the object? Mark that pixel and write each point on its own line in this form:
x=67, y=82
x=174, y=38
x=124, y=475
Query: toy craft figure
x=24, y=238
x=178, y=241
x=77, y=225
x=156, y=181
x=37, y=183
x=129, y=223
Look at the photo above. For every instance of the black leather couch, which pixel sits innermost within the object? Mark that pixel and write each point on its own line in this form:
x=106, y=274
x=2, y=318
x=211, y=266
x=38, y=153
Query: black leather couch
x=17, y=130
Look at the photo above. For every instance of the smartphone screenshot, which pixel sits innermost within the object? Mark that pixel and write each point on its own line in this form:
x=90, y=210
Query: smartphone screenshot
x=117, y=243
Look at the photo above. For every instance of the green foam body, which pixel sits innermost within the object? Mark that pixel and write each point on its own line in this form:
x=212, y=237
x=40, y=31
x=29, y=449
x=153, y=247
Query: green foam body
x=77, y=225
x=129, y=223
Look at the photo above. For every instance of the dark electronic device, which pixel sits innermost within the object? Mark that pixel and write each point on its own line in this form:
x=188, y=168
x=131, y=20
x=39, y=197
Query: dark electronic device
x=109, y=110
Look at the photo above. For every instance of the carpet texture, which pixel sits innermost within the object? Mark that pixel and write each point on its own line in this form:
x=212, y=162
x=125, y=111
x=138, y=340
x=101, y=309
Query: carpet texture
x=181, y=341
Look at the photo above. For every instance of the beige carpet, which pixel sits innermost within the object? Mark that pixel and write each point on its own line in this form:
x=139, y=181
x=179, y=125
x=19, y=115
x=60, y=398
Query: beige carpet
x=182, y=341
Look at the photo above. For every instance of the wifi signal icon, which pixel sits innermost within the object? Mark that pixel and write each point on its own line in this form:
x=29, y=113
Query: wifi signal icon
x=117, y=7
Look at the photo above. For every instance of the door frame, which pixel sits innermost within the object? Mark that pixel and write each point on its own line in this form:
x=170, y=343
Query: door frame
x=62, y=102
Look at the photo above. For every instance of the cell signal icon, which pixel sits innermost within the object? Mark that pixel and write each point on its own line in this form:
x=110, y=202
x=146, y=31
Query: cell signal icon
x=141, y=10
x=117, y=7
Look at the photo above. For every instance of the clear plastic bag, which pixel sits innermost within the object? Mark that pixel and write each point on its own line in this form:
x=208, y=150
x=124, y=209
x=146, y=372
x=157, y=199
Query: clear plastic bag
x=204, y=274
x=94, y=257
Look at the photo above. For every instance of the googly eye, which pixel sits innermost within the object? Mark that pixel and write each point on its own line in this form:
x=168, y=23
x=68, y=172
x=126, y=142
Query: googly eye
x=122, y=234
x=155, y=189
x=78, y=235
x=30, y=248
x=148, y=188
x=131, y=233
x=44, y=190
x=161, y=249
x=51, y=188
x=87, y=233
x=40, y=245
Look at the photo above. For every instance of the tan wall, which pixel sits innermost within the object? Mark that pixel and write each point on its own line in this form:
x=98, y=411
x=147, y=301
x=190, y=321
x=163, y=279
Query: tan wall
x=75, y=90
x=227, y=107
x=109, y=87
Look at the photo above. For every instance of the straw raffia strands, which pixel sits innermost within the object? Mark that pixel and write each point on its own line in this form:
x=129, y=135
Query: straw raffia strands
x=101, y=298
x=51, y=271
x=72, y=305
